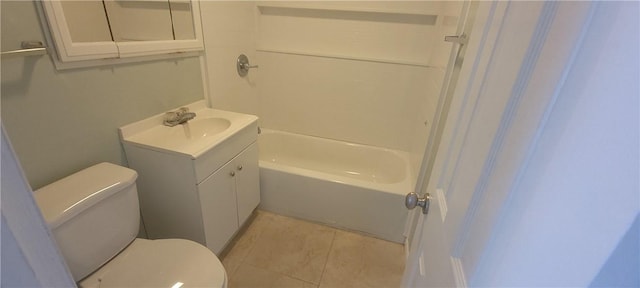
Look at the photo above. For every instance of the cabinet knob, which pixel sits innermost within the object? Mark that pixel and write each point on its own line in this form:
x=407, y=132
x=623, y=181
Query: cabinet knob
x=239, y=167
x=233, y=173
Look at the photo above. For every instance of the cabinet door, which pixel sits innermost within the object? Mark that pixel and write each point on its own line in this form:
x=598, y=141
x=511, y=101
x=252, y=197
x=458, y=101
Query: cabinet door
x=247, y=182
x=219, y=215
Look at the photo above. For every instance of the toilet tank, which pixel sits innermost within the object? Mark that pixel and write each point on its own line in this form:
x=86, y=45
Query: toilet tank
x=93, y=215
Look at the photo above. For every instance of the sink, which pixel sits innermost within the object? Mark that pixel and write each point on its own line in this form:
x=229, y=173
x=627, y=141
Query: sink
x=183, y=135
x=190, y=131
x=207, y=130
x=205, y=127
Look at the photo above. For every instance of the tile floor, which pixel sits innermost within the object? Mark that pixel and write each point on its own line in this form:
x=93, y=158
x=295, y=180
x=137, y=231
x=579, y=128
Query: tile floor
x=278, y=251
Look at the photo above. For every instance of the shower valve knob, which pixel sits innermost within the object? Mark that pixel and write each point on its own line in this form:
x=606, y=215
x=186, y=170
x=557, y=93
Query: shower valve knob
x=243, y=66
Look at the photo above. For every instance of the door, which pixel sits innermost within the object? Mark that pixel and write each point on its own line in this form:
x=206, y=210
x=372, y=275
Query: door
x=451, y=156
x=429, y=263
x=516, y=55
x=247, y=182
x=219, y=213
x=458, y=50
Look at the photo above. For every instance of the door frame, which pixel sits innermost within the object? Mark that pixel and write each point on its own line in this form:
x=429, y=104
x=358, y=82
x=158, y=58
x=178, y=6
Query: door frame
x=27, y=242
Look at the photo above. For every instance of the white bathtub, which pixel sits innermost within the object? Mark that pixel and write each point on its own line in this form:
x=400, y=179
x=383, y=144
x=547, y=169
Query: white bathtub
x=351, y=186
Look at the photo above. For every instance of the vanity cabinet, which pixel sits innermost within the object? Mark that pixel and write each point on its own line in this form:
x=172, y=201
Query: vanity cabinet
x=236, y=182
x=195, y=183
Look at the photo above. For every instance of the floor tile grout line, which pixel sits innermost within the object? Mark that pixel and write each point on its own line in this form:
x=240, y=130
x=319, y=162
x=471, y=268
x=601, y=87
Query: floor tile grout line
x=264, y=222
x=280, y=273
x=333, y=231
x=251, y=245
x=291, y=276
x=270, y=223
x=264, y=226
x=324, y=268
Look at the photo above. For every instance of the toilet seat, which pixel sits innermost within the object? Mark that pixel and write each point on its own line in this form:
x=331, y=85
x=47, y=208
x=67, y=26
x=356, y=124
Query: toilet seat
x=160, y=263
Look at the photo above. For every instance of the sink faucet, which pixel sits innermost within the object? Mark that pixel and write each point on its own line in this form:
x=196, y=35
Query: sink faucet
x=179, y=116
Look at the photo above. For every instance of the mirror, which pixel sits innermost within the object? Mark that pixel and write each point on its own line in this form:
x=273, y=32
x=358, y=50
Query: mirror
x=85, y=30
x=87, y=21
x=139, y=20
x=183, y=26
x=150, y=20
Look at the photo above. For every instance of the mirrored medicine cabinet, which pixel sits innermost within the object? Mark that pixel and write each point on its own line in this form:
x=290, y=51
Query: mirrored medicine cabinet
x=118, y=29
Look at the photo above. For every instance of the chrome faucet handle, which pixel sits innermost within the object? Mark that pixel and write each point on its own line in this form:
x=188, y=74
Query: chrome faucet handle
x=171, y=116
x=182, y=110
x=179, y=116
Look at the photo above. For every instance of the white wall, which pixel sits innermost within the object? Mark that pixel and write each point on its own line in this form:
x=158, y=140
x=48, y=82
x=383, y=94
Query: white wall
x=364, y=102
x=360, y=72
x=229, y=30
x=365, y=72
x=63, y=121
x=622, y=268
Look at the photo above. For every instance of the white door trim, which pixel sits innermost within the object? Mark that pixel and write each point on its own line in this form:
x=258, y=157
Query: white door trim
x=565, y=41
x=558, y=36
x=31, y=251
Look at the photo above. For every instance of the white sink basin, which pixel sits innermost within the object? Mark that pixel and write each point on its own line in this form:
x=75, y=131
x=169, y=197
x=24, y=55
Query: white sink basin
x=205, y=127
x=208, y=129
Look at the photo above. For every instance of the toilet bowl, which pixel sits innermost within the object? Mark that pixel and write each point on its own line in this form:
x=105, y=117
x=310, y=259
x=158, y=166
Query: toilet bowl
x=94, y=217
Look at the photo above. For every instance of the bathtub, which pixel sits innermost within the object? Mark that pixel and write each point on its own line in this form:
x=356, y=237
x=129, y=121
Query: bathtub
x=345, y=185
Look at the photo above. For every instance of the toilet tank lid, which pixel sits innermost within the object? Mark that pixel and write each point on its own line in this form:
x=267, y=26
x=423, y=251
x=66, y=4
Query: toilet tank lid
x=67, y=197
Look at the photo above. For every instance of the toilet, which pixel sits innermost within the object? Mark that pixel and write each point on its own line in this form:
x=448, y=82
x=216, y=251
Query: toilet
x=94, y=217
